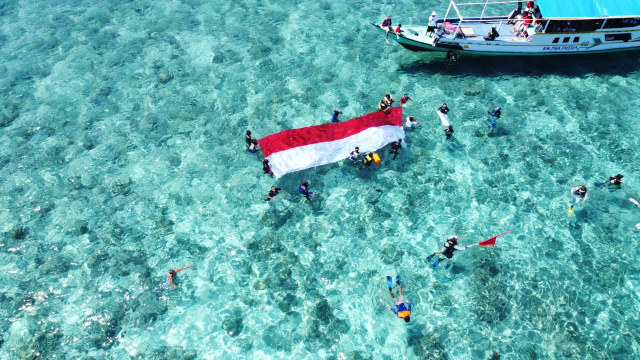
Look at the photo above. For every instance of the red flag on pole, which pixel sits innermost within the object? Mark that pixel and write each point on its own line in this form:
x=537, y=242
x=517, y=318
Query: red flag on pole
x=492, y=240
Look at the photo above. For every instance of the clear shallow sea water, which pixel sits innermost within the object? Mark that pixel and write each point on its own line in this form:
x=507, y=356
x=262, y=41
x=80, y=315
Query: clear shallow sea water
x=122, y=156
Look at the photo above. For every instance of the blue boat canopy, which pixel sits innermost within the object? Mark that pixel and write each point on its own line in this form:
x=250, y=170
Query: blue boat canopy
x=589, y=8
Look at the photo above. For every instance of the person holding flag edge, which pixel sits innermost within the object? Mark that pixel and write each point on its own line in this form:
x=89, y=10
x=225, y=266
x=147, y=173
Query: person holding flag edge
x=451, y=246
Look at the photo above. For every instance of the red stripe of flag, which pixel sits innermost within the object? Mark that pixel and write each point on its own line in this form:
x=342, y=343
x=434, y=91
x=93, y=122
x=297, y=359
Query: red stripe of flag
x=309, y=135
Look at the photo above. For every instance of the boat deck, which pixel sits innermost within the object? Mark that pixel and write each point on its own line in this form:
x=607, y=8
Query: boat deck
x=472, y=31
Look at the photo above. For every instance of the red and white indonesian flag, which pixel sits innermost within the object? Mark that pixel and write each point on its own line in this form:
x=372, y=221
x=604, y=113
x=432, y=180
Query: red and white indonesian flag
x=299, y=149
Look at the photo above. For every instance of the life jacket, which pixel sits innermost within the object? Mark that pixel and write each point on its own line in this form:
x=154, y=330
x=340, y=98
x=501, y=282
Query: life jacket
x=448, y=251
x=386, y=22
x=404, y=314
x=404, y=99
x=367, y=159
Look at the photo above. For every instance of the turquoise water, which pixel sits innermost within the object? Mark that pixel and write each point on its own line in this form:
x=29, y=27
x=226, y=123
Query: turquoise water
x=122, y=157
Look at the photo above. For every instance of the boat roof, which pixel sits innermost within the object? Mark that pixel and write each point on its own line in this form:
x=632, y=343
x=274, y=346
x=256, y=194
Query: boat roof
x=589, y=8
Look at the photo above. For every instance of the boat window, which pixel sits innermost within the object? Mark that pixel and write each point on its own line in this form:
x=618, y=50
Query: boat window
x=621, y=23
x=555, y=41
x=566, y=40
x=576, y=39
x=617, y=37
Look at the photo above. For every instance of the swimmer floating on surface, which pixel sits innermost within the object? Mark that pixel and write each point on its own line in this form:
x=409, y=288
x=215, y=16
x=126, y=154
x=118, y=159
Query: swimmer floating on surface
x=174, y=273
x=578, y=195
x=401, y=306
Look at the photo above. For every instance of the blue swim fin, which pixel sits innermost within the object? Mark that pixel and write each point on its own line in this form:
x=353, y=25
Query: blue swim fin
x=430, y=257
x=398, y=279
x=435, y=264
x=389, y=282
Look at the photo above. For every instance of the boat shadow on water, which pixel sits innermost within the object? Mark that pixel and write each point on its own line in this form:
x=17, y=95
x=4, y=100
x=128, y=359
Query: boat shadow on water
x=616, y=63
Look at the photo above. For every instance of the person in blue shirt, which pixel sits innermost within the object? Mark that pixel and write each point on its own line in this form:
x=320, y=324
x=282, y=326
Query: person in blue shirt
x=401, y=306
x=495, y=115
x=336, y=112
x=304, y=189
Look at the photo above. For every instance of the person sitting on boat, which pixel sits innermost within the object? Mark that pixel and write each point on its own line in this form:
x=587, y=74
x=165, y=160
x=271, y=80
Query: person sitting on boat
x=386, y=24
x=439, y=33
x=399, y=30
x=529, y=6
x=517, y=11
x=433, y=21
x=493, y=34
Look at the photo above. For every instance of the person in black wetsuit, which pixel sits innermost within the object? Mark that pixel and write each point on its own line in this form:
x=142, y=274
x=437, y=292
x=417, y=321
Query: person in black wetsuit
x=336, y=112
x=355, y=154
x=444, y=109
x=449, y=131
x=450, y=246
x=367, y=161
x=274, y=191
x=395, y=146
x=247, y=138
x=266, y=168
x=616, y=180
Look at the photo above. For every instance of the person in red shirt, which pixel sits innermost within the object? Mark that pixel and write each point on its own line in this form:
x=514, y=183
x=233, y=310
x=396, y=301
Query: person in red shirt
x=405, y=99
x=399, y=30
x=386, y=24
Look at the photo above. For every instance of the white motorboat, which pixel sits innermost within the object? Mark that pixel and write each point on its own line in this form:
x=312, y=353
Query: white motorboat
x=543, y=27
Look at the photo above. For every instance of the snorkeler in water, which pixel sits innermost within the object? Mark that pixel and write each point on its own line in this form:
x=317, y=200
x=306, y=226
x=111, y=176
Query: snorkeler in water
x=450, y=246
x=174, y=273
x=401, y=306
x=395, y=146
x=578, y=195
x=304, y=189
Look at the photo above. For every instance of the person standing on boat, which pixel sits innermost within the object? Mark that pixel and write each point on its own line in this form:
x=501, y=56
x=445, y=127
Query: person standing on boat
x=433, y=21
x=386, y=24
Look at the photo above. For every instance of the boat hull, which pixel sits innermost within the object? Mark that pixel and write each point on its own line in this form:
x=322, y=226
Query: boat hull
x=540, y=44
